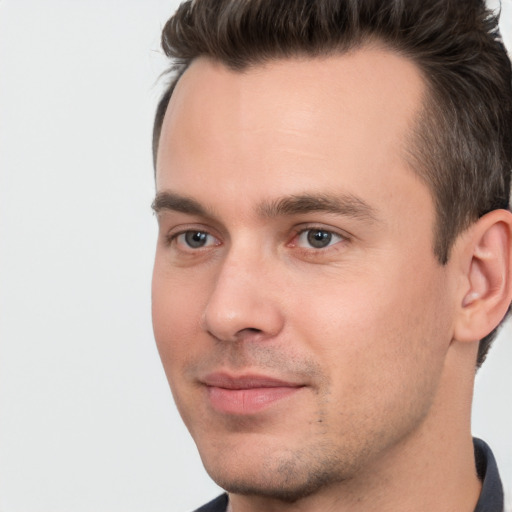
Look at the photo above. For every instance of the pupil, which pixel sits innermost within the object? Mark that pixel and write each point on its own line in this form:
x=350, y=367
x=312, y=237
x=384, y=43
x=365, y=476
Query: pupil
x=195, y=238
x=319, y=239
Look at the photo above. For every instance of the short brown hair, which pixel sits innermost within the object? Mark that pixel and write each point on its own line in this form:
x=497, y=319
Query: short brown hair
x=462, y=147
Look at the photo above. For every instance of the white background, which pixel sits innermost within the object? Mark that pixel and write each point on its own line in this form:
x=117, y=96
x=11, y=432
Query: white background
x=87, y=421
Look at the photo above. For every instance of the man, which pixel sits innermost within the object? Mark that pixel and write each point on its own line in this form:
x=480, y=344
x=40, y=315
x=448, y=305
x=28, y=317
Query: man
x=334, y=254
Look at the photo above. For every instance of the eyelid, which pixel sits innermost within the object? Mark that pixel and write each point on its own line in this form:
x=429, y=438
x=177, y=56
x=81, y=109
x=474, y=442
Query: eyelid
x=343, y=239
x=171, y=236
x=321, y=227
x=210, y=240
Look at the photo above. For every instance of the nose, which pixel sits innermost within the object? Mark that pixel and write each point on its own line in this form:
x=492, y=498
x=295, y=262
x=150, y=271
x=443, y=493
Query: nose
x=243, y=303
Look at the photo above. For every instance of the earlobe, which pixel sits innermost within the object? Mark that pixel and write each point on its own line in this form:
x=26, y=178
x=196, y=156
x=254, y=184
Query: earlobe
x=488, y=289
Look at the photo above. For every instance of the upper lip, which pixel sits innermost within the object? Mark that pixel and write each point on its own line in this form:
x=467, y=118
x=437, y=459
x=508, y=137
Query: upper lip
x=248, y=381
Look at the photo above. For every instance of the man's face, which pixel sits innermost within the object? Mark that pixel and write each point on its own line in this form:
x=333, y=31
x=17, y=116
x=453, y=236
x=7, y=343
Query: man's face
x=301, y=316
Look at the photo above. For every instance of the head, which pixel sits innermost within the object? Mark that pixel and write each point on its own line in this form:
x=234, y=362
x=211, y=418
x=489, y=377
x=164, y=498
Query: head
x=462, y=144
x=332, y=180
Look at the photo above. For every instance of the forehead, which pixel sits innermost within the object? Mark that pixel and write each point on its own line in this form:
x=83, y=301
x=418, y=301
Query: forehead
x=284, y=122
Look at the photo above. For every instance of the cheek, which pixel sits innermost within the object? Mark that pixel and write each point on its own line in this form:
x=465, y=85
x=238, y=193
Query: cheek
x=176, y=312
x=376, y=334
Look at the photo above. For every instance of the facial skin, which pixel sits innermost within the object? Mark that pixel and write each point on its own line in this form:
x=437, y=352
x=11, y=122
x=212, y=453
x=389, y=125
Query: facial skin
x=295, y=254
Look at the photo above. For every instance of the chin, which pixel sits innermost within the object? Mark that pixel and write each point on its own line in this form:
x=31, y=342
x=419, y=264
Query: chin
x=283, y=477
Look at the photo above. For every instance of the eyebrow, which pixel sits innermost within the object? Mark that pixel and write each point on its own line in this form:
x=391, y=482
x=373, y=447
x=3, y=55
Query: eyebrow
x=339, y=204
x=178, y=203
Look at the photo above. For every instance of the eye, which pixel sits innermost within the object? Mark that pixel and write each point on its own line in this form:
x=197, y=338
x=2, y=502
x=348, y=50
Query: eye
x=317, y=238
x=195, y=239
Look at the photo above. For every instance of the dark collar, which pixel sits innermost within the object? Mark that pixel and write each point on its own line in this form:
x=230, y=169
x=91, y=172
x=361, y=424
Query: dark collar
x=219, y=504
x=491, y=498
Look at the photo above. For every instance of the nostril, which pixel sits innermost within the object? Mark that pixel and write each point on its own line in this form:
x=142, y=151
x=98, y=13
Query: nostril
x=247, y=332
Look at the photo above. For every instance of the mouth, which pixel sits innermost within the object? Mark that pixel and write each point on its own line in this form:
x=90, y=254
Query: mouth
x=246, y=394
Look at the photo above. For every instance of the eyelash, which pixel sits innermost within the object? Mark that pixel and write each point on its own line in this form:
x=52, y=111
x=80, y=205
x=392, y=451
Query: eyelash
x=328, y=235
x=173, y=238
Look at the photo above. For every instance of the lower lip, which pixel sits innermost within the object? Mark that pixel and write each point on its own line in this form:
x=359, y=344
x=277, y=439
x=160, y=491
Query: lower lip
x=247, y=401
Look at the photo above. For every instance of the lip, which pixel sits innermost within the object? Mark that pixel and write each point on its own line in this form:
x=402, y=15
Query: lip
x=246, y=394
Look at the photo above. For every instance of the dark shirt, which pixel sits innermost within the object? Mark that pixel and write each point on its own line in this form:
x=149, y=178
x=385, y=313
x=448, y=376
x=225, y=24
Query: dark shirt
x=491, y=498
x=219, y=504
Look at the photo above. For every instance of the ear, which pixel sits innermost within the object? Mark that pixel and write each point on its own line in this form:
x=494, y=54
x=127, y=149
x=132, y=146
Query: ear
x=486, y=292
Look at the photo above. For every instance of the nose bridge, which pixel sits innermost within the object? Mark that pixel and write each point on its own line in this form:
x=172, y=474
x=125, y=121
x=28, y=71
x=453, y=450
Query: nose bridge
x=243, y=299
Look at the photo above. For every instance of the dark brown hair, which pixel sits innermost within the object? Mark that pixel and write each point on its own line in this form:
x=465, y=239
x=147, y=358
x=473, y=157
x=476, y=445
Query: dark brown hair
x=462, y=146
